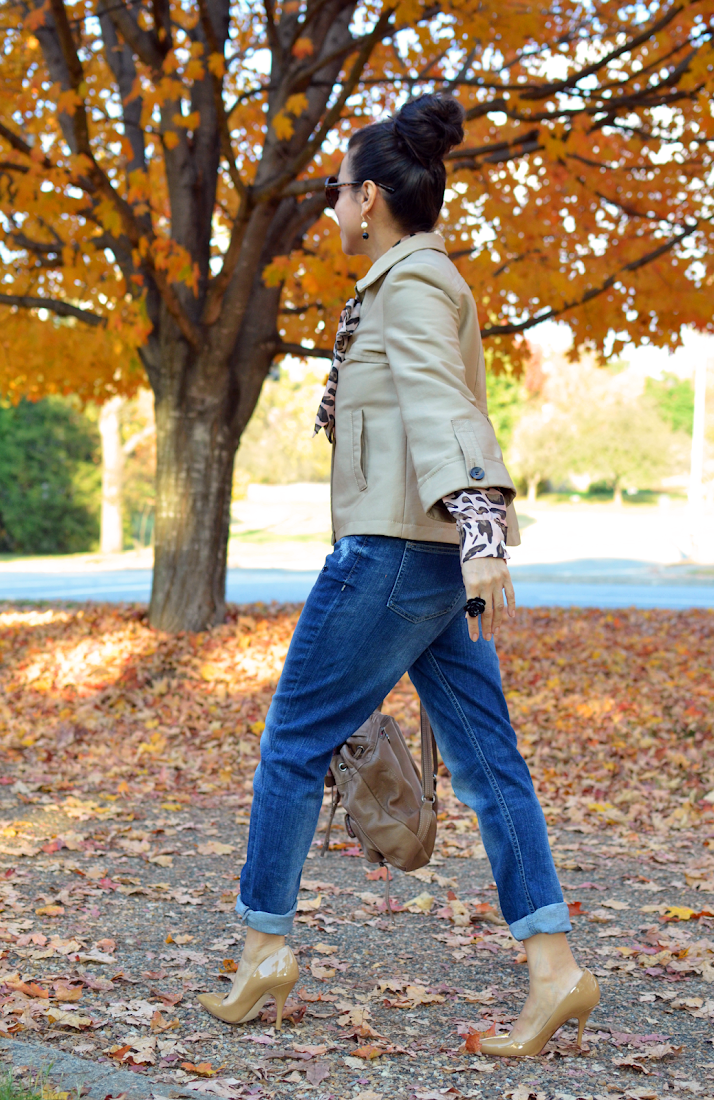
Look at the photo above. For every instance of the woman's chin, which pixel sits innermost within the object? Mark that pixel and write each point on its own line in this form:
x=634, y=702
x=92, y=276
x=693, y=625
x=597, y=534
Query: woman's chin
x=351, y=246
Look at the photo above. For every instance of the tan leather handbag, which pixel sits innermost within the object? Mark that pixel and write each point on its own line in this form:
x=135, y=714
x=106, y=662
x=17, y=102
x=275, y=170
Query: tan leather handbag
x=389, y=808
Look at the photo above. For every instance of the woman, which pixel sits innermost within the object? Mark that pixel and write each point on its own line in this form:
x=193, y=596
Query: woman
x=422, y=508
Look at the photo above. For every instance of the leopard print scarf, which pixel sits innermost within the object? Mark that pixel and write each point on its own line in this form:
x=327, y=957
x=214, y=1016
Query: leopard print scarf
x=349, y=320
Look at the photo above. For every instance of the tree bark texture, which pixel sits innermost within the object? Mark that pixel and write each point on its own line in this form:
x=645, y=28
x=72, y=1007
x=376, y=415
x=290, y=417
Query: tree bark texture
x=194, y=473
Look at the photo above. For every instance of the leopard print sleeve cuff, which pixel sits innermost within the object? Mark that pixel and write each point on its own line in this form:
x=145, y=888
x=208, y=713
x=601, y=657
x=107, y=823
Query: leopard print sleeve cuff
x=480, y=516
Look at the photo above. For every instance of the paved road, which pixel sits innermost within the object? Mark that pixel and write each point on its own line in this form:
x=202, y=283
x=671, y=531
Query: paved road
x=571, y=584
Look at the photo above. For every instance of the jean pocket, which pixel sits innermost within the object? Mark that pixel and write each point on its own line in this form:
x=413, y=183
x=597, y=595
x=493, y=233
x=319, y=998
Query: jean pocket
x=429, y=582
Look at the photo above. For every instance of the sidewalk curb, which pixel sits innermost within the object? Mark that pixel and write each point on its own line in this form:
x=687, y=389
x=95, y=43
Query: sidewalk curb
x=71, y=1073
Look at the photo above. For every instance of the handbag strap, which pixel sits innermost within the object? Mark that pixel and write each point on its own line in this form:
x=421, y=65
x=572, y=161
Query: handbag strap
x=428, y=757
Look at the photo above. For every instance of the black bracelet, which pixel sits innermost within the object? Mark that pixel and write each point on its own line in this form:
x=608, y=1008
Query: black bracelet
x=475, y=607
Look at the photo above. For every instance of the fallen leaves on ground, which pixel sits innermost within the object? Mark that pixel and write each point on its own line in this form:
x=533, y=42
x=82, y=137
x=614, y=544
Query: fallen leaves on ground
x=102, y=720
x=203, y=1069
x=317, y=1072
x=63, y=1018
x=101, y=695
x=293, y=1013
x=472, y=1041
x=368, y=1052
x=409, y=996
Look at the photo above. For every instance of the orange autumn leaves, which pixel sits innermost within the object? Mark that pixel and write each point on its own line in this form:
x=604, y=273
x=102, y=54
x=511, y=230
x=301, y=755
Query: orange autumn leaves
x=614, y=711
x=96, y=693
x=555, y=193
x=615, y=714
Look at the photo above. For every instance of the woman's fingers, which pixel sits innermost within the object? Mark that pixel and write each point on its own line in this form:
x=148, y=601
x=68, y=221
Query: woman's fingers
x=510, y=596
x=497, y=609
x=487, y=615
x=493, y=615
x=487, y=578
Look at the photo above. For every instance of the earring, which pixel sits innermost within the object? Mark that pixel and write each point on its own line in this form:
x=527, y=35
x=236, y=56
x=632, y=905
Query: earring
x=364, y=227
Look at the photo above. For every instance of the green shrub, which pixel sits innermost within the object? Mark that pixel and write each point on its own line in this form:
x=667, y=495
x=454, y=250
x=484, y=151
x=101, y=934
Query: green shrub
x=506, y=403
x=674, y=398
x=50, y=478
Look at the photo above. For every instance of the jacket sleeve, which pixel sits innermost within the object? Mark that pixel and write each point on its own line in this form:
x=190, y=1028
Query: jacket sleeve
x=452, y=444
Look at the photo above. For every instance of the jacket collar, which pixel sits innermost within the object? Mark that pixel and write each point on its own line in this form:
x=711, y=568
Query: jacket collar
x=398, y=252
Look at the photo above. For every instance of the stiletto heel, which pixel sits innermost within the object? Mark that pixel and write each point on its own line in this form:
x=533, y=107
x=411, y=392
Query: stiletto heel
x=274, y=976
x=577, y=1004
x=581, y=1027
x=281, y=994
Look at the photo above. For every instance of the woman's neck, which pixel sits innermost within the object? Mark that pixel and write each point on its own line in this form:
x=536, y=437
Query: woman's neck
x=381, y=239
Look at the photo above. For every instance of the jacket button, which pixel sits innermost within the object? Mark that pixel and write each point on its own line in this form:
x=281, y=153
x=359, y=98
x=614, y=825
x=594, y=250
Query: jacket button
x=477, y=473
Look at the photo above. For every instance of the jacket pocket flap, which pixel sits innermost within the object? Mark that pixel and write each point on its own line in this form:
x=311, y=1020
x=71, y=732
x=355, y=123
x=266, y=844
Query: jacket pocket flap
x=358, y=356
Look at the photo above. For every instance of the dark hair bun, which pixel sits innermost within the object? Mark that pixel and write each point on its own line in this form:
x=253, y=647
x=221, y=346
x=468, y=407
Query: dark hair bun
x=429, y=126
x=406, y=155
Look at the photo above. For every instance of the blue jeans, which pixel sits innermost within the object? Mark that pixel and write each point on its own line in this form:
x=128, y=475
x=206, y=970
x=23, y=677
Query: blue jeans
x=380, y=607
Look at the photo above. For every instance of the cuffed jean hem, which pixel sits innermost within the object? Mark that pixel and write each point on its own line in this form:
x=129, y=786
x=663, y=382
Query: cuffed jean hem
x=274, y=924
x=549, y=918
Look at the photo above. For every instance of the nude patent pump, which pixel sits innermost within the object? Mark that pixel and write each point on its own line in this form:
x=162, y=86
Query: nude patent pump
x=577, y=1004
x=273, y=977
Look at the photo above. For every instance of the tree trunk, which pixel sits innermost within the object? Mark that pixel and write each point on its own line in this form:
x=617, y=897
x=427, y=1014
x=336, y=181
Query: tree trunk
x=202, y=406
x=195, y=449
x=617, y=495
x=112, y=533
x=533, y=483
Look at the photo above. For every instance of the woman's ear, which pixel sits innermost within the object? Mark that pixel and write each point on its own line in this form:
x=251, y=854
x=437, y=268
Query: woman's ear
x=369, y=196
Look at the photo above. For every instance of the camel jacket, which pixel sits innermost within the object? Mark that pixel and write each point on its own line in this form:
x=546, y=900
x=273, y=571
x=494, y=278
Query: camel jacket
x=411, y=418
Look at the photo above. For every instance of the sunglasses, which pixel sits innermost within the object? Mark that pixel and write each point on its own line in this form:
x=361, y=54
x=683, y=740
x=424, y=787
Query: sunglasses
x=332, y=189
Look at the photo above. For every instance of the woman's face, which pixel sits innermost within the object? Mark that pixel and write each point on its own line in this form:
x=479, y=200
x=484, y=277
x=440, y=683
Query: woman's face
x=349, y=214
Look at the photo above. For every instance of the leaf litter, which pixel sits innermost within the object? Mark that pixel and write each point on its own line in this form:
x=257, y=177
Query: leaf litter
x=126, y=752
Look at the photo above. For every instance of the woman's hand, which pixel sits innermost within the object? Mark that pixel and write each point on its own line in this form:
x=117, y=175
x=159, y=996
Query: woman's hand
x=487, y=578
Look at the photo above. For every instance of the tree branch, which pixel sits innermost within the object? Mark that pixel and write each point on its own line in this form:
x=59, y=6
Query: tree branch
x=120, y=60
x=143, y=43
x=310, y=16
x=217, y=81
x=271, y=29
x=369, y=42
x=281, y=348
x=336, y=55
x=299, y=310
x=47, y=255
x=248, y=94
x=138, y=437
x=218, y=285
x=21, y=146
x=589, y=70
x=131, y=227
x=305, y=187
x=497, y=151
x=593, y=292
x=62, y=309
